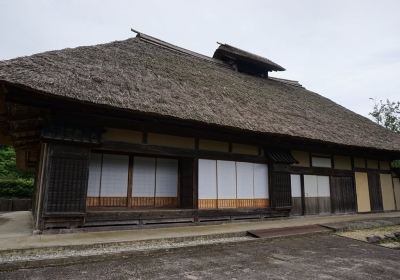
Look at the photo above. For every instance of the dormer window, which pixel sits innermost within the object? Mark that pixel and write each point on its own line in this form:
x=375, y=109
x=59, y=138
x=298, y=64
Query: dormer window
x=246, y=62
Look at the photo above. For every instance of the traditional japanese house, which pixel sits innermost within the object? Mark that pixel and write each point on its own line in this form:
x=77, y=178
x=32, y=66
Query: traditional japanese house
x=141, y=132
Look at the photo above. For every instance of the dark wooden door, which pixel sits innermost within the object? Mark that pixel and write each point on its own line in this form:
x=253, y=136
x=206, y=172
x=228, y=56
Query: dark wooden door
x=67, y=179
x=343, y=195
x=375, y=194
x=186, y=183
x=281, y=190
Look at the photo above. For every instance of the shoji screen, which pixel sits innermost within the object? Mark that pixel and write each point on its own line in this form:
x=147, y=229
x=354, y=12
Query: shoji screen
x=324, y=195
x=296, y=185
x=323, y=186
x=207, y=183
x=229, y=184
x=245, y=184
x=93, y=191
x=166, y=182
x=114, y=180
x=295, y=181
x=311, y=194
x=261, y=194
x=317, y=194
x=144, y=181
x=310, y=186
x=226, y=184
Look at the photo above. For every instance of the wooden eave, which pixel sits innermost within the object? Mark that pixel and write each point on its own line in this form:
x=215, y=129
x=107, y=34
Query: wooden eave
x=90, y=114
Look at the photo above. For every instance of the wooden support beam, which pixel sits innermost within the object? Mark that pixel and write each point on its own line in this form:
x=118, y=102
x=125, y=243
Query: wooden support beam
x=25, y=134
x=175, y=152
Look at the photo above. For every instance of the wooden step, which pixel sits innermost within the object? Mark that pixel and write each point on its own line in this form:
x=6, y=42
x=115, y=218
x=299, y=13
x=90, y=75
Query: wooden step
x=288, y=231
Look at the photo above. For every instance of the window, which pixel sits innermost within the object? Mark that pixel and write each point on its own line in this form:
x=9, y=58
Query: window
x=321, y=162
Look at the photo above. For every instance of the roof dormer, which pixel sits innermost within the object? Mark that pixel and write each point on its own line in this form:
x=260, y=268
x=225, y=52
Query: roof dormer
x=246, y=62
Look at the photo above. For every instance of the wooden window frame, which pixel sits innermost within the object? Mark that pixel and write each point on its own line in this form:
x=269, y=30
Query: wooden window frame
x=330, y=157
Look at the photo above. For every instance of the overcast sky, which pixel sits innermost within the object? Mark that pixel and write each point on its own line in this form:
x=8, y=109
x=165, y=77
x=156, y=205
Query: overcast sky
x=348, y=51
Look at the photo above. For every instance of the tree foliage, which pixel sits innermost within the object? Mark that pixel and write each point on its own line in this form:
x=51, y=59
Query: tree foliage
x=13, y=182
x=8, y=166
x=387, y=114
x=16, y=188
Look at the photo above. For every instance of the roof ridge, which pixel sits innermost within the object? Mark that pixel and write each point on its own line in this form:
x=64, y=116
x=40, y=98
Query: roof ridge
x=155, y=41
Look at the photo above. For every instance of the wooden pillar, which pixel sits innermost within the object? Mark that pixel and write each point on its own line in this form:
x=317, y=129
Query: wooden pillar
x=37, y=204
x=130, y=182
x=195, y=183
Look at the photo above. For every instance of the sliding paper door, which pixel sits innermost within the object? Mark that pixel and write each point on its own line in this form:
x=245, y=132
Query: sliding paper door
x=261, y=192
x=144, y=181
x=324, y=195
x=207, y=183
x=93, y=192
x=297, y=207
x=166, y=182
x=114, y=180
x=226, y=182
x=230, y=184
x=317, y=194
x=245, y=182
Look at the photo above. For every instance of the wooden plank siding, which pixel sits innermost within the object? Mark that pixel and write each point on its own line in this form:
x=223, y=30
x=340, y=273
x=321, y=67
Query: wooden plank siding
x=226, y=203
x=261, y=203
x=207, y=203
x=113, y=201
x=343, y=194
x=297, y=206
x=245, y=203
x=142, y=202
x=233, y=203
x=136, y=202
x=166, y=202
x=375, y=192
x=92, y=201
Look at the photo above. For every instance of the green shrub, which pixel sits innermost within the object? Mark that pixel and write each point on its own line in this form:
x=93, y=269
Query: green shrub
x=8, y=167
x=396, y=164
x=16, y=188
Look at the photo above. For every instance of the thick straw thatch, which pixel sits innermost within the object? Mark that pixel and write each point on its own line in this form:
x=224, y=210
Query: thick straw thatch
x=143, y=77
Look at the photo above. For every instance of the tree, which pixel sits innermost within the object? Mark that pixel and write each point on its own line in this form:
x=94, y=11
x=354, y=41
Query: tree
x=14, y=183
x=8, y=167
x=387, y=114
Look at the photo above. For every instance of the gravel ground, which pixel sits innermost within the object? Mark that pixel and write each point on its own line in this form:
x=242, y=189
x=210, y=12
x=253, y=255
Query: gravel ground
x=381, y=231
x=108, y=249
x=308, y=257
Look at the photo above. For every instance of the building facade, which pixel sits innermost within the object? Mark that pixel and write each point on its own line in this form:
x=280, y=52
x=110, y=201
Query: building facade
x=141, y=132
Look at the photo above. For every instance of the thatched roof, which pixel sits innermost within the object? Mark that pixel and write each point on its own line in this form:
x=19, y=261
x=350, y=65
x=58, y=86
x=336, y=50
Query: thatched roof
x=140, y=76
